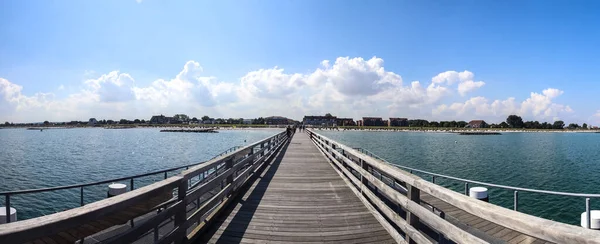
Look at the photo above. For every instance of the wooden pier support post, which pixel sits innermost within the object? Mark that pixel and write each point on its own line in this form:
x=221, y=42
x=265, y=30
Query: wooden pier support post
x=414, y=194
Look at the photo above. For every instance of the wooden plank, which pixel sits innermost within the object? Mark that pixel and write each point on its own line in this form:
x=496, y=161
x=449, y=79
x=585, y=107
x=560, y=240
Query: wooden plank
x=21, y=231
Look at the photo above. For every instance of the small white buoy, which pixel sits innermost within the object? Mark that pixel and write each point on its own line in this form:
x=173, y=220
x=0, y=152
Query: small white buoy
x=595, y=216
x=116, y=189
x=13, y=215
x=480, y=193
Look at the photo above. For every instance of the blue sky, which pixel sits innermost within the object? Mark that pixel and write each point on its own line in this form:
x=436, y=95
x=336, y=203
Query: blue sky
x=68, y=48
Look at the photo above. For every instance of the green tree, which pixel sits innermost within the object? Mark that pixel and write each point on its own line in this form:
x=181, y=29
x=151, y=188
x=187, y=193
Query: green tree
x=514, y=121
x=205, y=118
x=573, y=126
x=584, y=126
x=136, y=121
x=259, y=121
x=181, y=117
x=461, y=124
x=504, y=125
x=195, y=119
x=143, y=121
x=558, y=125
x=434, y=124
x=46, y=122
x=6, y=123
x=328, y=115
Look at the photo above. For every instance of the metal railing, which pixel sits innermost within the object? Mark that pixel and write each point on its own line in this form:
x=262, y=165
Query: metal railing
x=513, y=188
x=7, y=194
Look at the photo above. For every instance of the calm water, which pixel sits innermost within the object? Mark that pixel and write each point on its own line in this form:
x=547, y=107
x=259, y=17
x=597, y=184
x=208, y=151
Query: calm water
x=551, y=161
x=56, y=157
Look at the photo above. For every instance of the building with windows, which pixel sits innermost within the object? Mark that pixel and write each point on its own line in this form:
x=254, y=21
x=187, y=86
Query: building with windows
x=345, y=122
x=400, y=122
x=320, y=120
x=373, y=121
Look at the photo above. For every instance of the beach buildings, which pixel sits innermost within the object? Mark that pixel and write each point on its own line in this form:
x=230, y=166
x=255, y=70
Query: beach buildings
x=477, y=124
x=373, y=121
x=161, y=119
x=398, y=122
x=320, y=120
x=277, y=120
x=345, y=122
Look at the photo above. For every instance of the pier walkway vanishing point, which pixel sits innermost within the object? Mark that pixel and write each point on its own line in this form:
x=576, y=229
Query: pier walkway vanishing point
x=309, y=189
x=299, y=198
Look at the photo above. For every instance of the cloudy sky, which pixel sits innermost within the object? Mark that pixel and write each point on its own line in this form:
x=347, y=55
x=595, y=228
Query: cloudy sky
x=435, y=60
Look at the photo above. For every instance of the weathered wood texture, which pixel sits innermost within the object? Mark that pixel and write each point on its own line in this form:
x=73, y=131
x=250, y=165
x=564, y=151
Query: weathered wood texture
x=479, y=226
x=298, y=198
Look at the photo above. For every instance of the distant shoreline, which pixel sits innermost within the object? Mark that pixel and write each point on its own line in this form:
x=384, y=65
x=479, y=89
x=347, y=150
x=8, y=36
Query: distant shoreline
x=454, y=130
x=339, y=128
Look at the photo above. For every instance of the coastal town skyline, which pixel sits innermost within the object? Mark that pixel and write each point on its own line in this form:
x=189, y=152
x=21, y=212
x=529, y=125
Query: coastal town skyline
x=433, y=66
x=327, y=120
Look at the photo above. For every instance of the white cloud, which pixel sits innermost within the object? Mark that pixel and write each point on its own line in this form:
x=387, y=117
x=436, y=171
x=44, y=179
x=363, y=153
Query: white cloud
x=355, y=76
x=464, y=80
x=469, y=86
x=138, y=1
x=452, y=77
x=271, y=83
x=113, y=87
x=347, y=87
x=538, y=106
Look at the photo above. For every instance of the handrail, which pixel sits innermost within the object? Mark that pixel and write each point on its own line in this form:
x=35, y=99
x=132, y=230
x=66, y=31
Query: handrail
x=112, y=180
x=409, y=200
x=228, y=173
x=365, y=151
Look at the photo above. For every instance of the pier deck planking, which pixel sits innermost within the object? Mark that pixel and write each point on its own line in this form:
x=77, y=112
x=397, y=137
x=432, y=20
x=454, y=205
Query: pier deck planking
x=299, y=198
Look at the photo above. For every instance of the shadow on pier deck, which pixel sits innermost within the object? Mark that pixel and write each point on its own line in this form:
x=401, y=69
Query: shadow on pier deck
x=299, y=198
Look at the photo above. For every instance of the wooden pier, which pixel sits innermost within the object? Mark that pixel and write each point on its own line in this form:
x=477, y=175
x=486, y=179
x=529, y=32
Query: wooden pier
x=307, y=189
x=299, y=198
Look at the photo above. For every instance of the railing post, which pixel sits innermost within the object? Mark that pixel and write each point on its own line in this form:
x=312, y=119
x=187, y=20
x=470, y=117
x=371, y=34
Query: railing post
x=588, y=213
x=516, y=204
x=413, y=194
x=467, y=188
x=81, y=196
x=363, y=179
x=131, y=184
x=181, y=215
x=7, y=203
x=165, y=175
x=228, y=166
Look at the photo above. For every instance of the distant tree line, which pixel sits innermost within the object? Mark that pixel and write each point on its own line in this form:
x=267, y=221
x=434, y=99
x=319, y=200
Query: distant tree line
x=515, y=121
